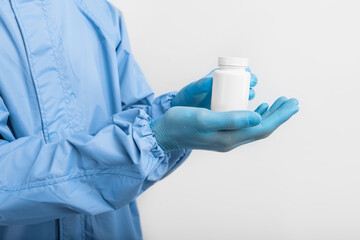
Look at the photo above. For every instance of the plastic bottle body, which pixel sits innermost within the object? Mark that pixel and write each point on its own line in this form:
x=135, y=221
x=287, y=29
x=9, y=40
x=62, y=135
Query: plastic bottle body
x=230, y=90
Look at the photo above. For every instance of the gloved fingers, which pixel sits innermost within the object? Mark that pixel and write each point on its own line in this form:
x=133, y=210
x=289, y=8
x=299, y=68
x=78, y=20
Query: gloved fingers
x=281, y=115
x=275, y=106
x=267, y=126
x=251, y=94
x=213, y=121
x=253, y=80
x=261, y=109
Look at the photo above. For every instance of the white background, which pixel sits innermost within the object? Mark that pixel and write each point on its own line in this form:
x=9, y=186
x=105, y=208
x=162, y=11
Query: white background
x=303, y=182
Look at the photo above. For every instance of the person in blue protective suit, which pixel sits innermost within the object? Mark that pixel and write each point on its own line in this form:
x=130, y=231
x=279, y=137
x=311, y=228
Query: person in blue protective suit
x=81, y=133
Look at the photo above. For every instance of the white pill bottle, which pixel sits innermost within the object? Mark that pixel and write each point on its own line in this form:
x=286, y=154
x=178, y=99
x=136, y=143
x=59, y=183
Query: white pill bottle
x=231, y=85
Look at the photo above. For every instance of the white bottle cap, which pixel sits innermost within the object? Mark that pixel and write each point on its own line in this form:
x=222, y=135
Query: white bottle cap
x=233, y=61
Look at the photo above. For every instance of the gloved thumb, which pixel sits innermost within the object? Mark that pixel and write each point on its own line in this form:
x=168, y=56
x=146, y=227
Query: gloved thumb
x=230, y=120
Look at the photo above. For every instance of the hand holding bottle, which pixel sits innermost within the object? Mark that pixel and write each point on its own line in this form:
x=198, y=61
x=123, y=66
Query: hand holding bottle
x=198, y=93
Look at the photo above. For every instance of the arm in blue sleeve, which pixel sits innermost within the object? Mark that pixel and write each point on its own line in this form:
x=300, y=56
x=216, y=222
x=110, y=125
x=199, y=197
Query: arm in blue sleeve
x=87, y=174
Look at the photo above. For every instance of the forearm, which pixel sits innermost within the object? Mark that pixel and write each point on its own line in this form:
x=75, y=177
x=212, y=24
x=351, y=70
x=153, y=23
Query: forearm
x=87, y=174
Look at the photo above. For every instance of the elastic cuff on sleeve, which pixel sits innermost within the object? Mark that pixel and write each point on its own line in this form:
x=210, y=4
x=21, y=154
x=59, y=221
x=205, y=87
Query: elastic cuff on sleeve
x=144, y=136
x=161, y=163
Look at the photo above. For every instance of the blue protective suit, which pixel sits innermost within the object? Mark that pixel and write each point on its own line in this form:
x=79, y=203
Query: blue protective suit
x=76, y=147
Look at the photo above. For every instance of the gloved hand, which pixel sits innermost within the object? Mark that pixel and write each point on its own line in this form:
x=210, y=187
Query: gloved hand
x=198, y=93
x=200, y=128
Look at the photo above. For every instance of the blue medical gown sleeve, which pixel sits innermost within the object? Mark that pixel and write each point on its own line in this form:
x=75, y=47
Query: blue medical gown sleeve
x=86, y=173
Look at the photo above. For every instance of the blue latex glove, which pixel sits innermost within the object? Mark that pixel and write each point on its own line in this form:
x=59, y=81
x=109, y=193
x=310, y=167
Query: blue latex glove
x=198, y=93
x=200, y=128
